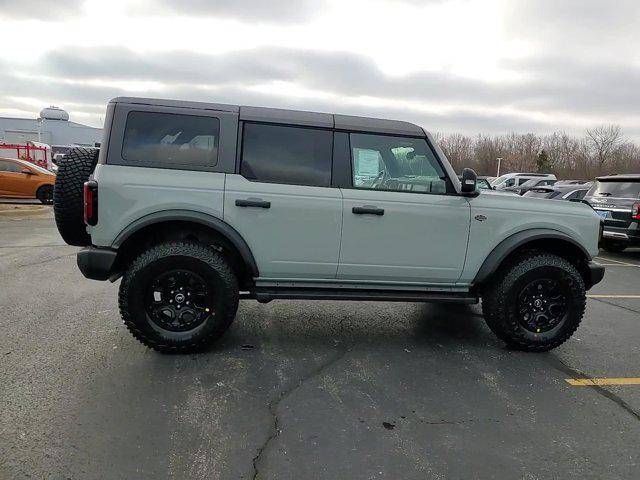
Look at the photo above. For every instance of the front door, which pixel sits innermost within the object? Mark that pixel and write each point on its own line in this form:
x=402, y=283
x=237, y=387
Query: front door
x=282, y=203
x=14, y=183
x=402, y=222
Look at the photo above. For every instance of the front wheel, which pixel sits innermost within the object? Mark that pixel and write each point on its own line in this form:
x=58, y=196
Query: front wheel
x=45, y=194
x=536, y=302
x=178, y=297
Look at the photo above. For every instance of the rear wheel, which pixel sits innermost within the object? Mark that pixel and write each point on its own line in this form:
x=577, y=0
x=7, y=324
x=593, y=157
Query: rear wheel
x=74, y=169
x=178, y=297
x=45, y=194
x=614, y=247
x=535, y=303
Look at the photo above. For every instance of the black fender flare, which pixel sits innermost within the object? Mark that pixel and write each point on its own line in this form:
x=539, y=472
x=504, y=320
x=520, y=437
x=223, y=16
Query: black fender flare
x=511, y=243
x=222, y=227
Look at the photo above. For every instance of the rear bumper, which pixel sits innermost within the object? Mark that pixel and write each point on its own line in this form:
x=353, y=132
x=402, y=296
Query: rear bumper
x=629, y=236
x=96, y=263
x=595, y=274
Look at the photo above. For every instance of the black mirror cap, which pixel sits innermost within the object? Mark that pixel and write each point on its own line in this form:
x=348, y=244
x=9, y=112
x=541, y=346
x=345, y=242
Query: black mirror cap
x=26, y=171
x=469, y=183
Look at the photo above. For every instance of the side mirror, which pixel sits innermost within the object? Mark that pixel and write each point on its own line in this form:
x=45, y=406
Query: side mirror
x=26, y=171
x=469, y=183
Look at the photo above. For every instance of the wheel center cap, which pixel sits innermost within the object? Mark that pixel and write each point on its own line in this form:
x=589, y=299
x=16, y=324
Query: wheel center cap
x=538, y=303
x=179, y=297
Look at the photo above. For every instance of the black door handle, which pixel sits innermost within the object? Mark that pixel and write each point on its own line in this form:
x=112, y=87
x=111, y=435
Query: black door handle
x=368, y=210
x=253, y=203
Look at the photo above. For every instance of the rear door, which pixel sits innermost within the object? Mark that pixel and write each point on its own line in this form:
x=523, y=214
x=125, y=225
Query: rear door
x=402, y=222
x=282, y=204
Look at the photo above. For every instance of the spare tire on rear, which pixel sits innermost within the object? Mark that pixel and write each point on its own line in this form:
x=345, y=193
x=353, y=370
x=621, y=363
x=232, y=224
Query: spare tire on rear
x=73, y=170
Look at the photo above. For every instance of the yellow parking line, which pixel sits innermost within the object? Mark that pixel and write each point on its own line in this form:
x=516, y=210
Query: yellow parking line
x=590, y=382
x=612, y=296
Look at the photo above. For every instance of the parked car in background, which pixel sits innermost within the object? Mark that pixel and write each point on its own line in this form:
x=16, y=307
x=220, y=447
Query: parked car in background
x=532, y=183
x=616, y=198
x=21, y=179
x=559, y=191
x=482, y=183
x=517, y=179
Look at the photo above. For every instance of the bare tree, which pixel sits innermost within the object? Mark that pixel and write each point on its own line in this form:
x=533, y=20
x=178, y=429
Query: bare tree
x=602, y=150
x=604, y=141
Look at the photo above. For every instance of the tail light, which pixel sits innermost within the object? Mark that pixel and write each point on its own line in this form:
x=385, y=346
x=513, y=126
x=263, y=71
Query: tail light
x=635, y=211
x=91, y=202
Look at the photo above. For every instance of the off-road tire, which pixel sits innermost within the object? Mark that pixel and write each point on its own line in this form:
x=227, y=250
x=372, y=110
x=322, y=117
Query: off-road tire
x=499, y=301
x=73, y=170
x=199, y=258
x=45, y=194
x=614, y=247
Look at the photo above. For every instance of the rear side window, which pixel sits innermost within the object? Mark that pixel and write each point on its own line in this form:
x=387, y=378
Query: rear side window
x=171, y=140
x=281, y=154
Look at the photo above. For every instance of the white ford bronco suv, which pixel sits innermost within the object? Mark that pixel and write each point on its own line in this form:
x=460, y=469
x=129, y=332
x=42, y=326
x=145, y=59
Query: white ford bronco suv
x=198, y=205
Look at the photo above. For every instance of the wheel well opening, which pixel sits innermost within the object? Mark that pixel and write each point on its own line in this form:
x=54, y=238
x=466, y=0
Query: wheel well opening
x=556, y=246
x=180, y=230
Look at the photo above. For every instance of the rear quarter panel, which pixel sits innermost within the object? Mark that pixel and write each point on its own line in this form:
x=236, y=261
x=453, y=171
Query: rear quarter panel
x=507, y=215
x=126, y=194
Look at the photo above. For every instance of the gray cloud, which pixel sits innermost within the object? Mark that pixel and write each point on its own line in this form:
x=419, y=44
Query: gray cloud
x=551, y=84
x=277, y=11
x=24, y=9
x=581, y=66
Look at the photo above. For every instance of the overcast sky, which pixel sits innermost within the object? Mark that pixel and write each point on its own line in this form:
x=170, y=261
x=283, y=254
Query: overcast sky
x=469, y=66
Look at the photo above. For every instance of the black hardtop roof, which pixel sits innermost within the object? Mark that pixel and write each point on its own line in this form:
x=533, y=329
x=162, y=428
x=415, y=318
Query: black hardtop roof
x=626, y=177
x=290, y=117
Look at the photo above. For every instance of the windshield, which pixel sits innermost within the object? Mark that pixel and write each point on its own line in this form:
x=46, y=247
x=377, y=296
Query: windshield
x=615, y=189
x=499, y=180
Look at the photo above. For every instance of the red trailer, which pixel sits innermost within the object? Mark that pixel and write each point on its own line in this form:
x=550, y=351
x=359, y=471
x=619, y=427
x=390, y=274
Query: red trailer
x=37, y=153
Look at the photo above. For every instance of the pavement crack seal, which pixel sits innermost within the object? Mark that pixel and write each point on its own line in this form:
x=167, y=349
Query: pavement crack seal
x=572, y=372
x=615, y=305
x=53, y=259
x=273, y=408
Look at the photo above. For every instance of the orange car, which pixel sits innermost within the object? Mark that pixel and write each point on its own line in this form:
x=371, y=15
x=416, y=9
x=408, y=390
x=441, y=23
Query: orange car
x=20, y=179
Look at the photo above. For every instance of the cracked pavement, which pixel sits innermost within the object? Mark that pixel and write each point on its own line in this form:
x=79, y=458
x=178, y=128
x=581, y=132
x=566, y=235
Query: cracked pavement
x=302, y=390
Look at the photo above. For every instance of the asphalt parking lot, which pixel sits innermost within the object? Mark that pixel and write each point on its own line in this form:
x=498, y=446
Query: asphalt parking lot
x=304, y=390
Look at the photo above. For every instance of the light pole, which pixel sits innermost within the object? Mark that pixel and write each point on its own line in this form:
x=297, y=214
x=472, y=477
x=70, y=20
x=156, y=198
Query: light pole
x=499, y=161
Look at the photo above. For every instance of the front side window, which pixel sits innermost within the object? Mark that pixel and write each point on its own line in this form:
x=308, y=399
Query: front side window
x=291, y=155
x=382, y=162
x=168, y=139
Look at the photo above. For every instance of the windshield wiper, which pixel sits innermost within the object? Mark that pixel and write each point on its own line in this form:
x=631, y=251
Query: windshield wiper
x=605, y=194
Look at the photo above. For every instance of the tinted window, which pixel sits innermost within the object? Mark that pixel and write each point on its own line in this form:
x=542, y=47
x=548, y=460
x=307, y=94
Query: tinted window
x=279, y=154
x=538, y=193
x=9, y=167
x=382, y=162
x=169, y=140
x=616, y=189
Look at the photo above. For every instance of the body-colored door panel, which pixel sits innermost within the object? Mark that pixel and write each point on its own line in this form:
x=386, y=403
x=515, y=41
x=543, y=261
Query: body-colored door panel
x=297, y=236
x=418, y=238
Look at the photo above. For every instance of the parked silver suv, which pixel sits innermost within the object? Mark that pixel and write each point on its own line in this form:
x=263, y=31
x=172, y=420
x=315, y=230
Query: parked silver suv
x=198, y=205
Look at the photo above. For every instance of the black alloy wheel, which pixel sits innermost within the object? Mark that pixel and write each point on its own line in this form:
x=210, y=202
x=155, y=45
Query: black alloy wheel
x=179, y=300
x=542, y=305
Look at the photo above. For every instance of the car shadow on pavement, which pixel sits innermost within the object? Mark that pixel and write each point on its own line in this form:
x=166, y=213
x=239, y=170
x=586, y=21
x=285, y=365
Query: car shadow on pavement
x=282, y=325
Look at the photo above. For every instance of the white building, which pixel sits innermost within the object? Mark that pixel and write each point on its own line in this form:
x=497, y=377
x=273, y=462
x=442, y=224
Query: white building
x=52, y=127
